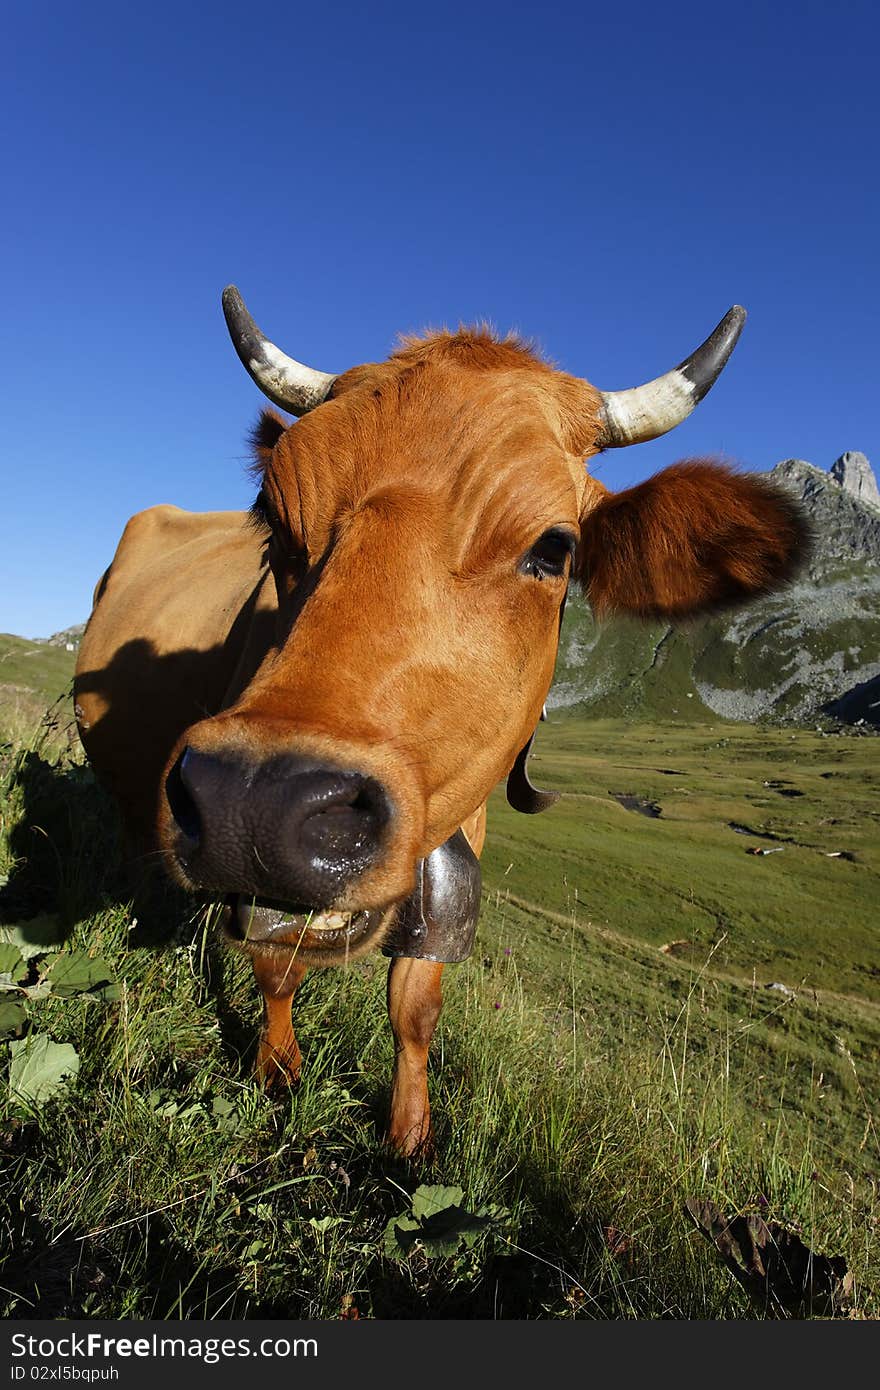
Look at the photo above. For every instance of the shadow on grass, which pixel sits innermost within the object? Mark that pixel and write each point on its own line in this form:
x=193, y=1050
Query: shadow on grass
x=68, y=865
x=238, y=1037
x=69, y=1274
x=64, y=844
x=142, y=1267
x=45, y=1275
x=67, y=856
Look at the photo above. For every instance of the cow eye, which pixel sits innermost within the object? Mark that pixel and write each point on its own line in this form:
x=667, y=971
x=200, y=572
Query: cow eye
x=547, y=557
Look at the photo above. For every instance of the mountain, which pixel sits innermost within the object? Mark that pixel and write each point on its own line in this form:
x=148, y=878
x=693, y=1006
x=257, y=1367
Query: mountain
x=69, y=638
x=856, y=476
x=811, y=650
x=845, y=520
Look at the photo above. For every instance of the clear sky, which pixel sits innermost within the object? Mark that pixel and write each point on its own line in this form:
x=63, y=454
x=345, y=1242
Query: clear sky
x=607, y=179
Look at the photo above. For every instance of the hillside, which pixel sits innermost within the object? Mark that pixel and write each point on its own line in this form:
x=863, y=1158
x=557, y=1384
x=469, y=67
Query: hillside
x=812, y=649
x=32, y=676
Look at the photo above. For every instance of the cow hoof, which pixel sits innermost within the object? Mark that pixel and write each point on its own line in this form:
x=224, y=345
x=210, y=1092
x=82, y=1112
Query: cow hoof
x=277, y=1067
x=416, y=1143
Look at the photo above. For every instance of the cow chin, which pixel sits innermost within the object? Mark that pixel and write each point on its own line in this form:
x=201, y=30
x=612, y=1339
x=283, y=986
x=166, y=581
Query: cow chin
x=262, y=928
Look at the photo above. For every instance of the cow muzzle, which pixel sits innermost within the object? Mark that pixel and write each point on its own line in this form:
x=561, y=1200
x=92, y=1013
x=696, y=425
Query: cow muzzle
x=437, y=922
x=316, y=938
x=286, y=829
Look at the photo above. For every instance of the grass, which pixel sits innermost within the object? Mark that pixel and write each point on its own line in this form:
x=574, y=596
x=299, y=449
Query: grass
x=796, y=916
x=32, y=676
x=34, y=667
x=797, y=649
x=584, y=1081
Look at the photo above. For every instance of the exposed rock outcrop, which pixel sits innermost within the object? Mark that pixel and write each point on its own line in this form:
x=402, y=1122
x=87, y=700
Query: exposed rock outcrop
x=856, y=476
x=812, y=648
x=844, y=527
x=70, y=638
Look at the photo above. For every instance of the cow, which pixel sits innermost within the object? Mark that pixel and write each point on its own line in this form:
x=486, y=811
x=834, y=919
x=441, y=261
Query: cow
x=302, y=709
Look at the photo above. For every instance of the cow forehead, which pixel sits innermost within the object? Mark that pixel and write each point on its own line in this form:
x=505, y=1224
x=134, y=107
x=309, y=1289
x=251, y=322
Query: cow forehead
x=471, y=441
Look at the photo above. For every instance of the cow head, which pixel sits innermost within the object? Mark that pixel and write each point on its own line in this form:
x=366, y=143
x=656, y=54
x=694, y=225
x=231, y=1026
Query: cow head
x=421, y=522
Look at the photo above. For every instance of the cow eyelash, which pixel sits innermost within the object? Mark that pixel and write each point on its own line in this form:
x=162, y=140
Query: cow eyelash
x=546, y=558
x=262, y=517
x=259, y=512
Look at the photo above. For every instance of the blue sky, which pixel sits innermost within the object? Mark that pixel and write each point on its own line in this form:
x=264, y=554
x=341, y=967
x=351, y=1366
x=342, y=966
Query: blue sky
x=607, y=179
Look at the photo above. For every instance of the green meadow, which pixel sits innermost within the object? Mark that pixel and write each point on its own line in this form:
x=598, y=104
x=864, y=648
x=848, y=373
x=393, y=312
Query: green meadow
x=32, y=675
x=652, y=1013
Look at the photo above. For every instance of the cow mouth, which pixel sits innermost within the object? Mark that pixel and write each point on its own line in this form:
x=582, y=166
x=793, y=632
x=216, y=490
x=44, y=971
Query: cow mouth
x=318, y=937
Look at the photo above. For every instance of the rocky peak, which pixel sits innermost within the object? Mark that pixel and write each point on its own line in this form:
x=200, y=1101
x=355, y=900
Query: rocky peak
x=69, y=638
x=856, y=476
x=844, y=526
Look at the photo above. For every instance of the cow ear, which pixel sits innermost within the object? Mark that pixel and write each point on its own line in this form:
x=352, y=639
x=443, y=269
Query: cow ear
x=693, y=538
x=263, y=438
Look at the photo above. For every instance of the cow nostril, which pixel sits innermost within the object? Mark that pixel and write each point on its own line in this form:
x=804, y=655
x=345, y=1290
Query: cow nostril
x=336, y=832
x=182, y=803
x=347, y=829
x=371, y=798
x=284, y=828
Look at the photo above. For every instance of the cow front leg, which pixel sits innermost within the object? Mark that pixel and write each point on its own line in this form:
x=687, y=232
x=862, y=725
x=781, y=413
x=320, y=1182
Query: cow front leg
x=278, y=974
x=414, y=1003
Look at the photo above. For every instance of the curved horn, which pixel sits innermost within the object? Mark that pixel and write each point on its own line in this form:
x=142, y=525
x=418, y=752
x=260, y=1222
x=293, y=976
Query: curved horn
x=287, y=383
x=645, y=412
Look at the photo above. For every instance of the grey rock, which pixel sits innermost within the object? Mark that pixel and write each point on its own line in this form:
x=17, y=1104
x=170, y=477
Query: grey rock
x=860, y=705
x=844, y=528
x=856, y=476
x=70, y=637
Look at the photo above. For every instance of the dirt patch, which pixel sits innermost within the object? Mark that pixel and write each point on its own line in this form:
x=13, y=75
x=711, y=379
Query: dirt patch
x=741, y=829
x=639, y=804
x=678, y=948
x=783, y=789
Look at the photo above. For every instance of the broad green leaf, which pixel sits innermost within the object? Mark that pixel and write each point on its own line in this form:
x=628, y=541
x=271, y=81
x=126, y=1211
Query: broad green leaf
x=39, y=1067
x=438, y=1223
x=427, y=1201
x=442, y=1233
x=41, y=990
x=323, y=1224
x=12, y=1016
x=76, y=972
x=438, y=1247
x=34, y=937
x=225, y=1115
x=400, y=1234
x=193, y=1111
x=13, y=969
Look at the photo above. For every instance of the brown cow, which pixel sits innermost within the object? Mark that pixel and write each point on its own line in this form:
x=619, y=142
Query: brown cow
x=302, y=708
